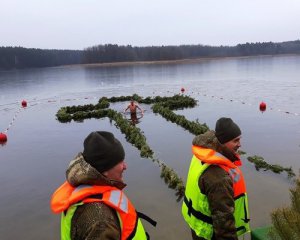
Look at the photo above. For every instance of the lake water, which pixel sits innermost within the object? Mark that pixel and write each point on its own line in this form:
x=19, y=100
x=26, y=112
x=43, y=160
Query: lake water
x=39, y=148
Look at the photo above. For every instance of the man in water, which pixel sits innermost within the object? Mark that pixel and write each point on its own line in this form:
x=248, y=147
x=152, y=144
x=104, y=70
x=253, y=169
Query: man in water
x=133, y=110
x=215, y=204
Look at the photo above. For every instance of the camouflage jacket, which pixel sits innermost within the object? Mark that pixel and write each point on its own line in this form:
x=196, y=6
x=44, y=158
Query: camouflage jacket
x=92, y=221
x=217, y=185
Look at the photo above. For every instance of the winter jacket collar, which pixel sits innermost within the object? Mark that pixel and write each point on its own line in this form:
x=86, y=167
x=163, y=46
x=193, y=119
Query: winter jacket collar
x=80, y=172
x=209, y=141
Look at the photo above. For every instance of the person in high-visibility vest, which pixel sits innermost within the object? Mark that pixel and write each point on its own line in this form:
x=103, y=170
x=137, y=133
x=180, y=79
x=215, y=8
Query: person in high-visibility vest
x=215, y=204
x=91, y=201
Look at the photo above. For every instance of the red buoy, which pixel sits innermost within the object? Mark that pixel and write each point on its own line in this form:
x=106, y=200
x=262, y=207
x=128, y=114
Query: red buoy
x=262, y=106
x=3, y=138
x=24, y=103
x=182, y=90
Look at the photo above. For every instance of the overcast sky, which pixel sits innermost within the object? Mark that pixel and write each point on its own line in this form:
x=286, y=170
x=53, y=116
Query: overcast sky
x=77, y=24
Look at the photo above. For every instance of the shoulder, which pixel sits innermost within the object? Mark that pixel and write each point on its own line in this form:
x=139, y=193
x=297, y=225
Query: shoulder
x=215, y=172
x=95, y=219
x=214, y=177
x=96, y=210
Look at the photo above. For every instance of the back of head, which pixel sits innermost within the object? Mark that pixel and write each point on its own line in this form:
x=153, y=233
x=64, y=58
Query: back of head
x=226, y=130
x=102, y=150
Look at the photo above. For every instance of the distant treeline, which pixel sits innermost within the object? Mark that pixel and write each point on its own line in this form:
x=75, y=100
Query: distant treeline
x=115, y=53
x=19, y=57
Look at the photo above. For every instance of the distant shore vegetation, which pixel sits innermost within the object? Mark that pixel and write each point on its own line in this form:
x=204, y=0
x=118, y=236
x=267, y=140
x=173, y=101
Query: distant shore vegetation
x=19, y=57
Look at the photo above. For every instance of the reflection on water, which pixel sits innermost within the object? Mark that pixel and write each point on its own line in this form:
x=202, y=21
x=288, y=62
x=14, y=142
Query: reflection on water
x=39, y=147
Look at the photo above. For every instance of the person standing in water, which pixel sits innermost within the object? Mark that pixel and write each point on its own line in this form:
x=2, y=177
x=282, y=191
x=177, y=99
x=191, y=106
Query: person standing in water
x=133, y=108
x=133, y=111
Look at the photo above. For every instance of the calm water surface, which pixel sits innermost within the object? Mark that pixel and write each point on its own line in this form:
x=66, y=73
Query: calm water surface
x=39, y=148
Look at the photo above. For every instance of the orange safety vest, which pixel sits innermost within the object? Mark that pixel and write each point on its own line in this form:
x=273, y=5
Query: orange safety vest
x=209, y=156
x=67, y=195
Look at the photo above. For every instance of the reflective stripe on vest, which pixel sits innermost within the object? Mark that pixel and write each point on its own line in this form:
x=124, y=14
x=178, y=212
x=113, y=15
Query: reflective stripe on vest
x=67, y=198
x=117, y=199
x=195, y=207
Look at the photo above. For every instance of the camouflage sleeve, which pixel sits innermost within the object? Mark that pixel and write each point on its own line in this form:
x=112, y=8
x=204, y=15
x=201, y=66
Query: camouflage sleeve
x=218, y=186
x=95, y=221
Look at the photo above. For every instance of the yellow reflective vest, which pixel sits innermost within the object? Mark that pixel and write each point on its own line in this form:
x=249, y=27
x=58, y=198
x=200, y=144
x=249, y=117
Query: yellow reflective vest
x=195, y=207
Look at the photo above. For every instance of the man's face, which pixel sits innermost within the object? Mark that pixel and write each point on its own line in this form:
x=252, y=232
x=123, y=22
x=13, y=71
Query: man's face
x=132, y=103
x=234, y=144
x=116, y=173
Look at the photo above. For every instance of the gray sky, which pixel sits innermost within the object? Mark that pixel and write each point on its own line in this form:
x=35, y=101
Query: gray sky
x=77, y=24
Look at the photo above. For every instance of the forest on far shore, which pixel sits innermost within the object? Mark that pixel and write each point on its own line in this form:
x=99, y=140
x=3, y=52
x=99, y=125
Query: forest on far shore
x=19, y=57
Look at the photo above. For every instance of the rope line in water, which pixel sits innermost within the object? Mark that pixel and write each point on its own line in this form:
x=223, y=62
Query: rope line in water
x=250, y=104
x=35, y=103
x=53, y=100
x=239, y=100
x=12, y=121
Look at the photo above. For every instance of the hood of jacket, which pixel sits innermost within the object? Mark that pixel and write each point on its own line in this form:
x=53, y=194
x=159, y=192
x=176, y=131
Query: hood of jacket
x=209, y=140
x=80, y=172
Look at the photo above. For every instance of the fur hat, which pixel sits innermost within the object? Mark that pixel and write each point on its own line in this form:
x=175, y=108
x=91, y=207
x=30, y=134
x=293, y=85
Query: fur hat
x=102, y=150
x=226, y=130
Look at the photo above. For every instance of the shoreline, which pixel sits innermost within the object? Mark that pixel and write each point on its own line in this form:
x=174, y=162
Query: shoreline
x=179, y=61
x=137, y=63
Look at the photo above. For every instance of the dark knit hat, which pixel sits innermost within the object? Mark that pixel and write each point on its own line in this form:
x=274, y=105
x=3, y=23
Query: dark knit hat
x=102, y=150
x=226, y=130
